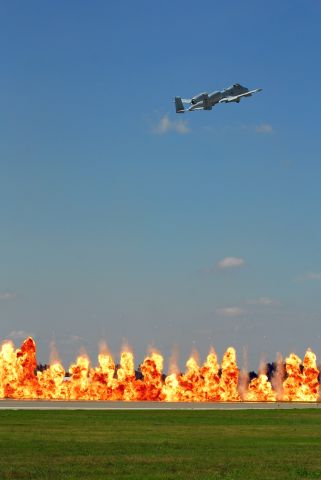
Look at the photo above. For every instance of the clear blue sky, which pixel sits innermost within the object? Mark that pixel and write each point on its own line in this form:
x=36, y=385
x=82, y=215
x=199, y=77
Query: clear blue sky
x=115, y=211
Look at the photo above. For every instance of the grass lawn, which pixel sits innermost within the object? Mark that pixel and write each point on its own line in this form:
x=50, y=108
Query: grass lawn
x=77, y=445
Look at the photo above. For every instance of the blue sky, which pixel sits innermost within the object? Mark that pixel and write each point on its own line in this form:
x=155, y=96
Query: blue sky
x=115, y=211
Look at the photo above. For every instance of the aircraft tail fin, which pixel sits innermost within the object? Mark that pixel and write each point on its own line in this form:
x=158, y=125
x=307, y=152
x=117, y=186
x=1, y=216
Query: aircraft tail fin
x=179, y=105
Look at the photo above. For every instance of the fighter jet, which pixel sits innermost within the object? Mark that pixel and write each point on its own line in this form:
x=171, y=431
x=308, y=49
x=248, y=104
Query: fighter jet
x=206, y=101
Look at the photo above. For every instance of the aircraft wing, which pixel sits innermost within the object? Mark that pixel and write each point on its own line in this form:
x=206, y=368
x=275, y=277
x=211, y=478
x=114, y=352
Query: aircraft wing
x=236, y=97
x=186, y=100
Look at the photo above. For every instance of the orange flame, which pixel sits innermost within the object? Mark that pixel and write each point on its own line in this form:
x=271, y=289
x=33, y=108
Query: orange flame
x=200, y=383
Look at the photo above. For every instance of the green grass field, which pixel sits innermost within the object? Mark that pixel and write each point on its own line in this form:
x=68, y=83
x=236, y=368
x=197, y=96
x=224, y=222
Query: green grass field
x=90, y=445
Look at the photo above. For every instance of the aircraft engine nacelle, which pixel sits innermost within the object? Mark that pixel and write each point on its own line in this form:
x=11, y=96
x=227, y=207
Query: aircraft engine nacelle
x=198, y=98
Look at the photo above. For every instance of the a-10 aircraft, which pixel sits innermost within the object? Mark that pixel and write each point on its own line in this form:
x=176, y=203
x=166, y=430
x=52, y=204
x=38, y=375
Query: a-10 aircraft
x=206, y=101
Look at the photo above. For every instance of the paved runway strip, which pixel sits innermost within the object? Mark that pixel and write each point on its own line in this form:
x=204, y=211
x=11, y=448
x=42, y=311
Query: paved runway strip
x=102, y=405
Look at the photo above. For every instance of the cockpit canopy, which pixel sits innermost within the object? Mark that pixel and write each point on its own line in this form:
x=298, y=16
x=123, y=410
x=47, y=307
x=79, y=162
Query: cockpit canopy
x=235, y=85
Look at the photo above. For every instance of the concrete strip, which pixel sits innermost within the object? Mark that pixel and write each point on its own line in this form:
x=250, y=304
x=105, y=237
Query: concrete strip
x=103, y=405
